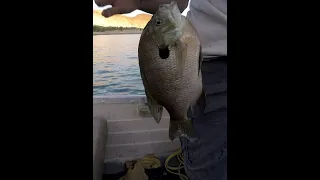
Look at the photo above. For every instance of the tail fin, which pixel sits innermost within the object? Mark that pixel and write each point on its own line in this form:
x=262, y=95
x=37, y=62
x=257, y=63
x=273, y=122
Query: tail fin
x=184, y=128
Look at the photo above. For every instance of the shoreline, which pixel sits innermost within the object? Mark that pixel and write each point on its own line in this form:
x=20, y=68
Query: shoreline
x=125, y=31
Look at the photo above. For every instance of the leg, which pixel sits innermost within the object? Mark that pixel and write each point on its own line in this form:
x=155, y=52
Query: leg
x=206, y=157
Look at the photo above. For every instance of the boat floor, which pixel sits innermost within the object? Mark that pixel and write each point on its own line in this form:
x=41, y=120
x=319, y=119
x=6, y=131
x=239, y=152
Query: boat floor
x=154, y=174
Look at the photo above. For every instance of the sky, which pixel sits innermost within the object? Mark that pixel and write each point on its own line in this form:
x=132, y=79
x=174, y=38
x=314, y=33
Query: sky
x=134, y=13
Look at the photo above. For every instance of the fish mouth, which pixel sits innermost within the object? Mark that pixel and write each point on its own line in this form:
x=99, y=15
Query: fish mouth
x=164, y=52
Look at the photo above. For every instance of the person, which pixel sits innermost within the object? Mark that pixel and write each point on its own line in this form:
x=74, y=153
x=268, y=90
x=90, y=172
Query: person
x=206, y=157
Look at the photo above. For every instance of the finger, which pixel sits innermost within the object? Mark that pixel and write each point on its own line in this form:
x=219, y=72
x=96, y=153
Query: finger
x=115, y=10
x=102, y=3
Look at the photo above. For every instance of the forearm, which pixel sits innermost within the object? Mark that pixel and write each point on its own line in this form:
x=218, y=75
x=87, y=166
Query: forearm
x=151, y=6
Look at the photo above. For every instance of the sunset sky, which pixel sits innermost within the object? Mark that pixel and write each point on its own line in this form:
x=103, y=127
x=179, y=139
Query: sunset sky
x=134, y=13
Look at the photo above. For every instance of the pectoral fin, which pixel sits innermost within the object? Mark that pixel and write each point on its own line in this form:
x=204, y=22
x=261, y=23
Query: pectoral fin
x=181, y=55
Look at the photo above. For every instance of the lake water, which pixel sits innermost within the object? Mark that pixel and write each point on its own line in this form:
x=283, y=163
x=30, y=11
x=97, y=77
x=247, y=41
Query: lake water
x=115, y=65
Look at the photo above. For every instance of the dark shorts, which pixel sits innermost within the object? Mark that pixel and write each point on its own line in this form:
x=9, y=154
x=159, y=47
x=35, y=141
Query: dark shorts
x=206, y=157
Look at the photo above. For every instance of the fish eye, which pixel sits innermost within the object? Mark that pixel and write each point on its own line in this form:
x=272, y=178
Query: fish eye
x=158, y=22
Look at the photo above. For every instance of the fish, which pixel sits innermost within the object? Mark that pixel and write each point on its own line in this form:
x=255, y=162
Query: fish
x=170, y=59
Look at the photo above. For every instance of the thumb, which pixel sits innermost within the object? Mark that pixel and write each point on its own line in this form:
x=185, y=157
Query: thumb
x=115, y=10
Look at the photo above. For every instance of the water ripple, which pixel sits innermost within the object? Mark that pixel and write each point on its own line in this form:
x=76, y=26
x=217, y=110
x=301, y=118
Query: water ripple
x=115, y=65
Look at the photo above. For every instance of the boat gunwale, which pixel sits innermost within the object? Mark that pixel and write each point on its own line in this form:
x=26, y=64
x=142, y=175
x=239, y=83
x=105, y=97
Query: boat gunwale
x=126, y=99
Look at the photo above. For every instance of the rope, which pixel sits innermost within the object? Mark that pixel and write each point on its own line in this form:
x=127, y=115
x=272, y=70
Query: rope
x=136, y=168
x=170, y=169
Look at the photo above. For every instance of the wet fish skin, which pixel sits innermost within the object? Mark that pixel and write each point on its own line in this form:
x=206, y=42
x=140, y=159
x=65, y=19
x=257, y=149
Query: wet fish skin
x=170, y=67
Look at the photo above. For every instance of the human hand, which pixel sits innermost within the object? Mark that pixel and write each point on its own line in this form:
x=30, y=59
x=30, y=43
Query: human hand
x=118, y=6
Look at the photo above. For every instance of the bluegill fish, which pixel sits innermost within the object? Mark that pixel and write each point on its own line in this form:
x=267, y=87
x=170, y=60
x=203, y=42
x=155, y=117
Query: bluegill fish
x=170, y=66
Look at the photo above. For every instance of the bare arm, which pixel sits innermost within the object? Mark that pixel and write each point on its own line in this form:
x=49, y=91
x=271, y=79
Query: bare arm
x=127, y=6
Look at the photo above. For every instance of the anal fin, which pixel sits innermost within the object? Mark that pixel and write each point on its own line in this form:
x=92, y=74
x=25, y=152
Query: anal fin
x=181, y=55
x=199, y=106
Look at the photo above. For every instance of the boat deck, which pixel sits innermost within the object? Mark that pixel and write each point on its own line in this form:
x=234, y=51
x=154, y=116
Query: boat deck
x=153, y=174
x=132, y=131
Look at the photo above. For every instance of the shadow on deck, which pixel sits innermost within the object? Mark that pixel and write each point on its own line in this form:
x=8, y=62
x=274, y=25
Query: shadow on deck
x=153, y=174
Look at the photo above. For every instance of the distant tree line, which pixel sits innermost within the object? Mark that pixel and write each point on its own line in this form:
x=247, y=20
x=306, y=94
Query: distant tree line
x=102, y=28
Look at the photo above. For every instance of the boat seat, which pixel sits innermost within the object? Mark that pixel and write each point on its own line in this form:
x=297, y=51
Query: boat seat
x=100, y=137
